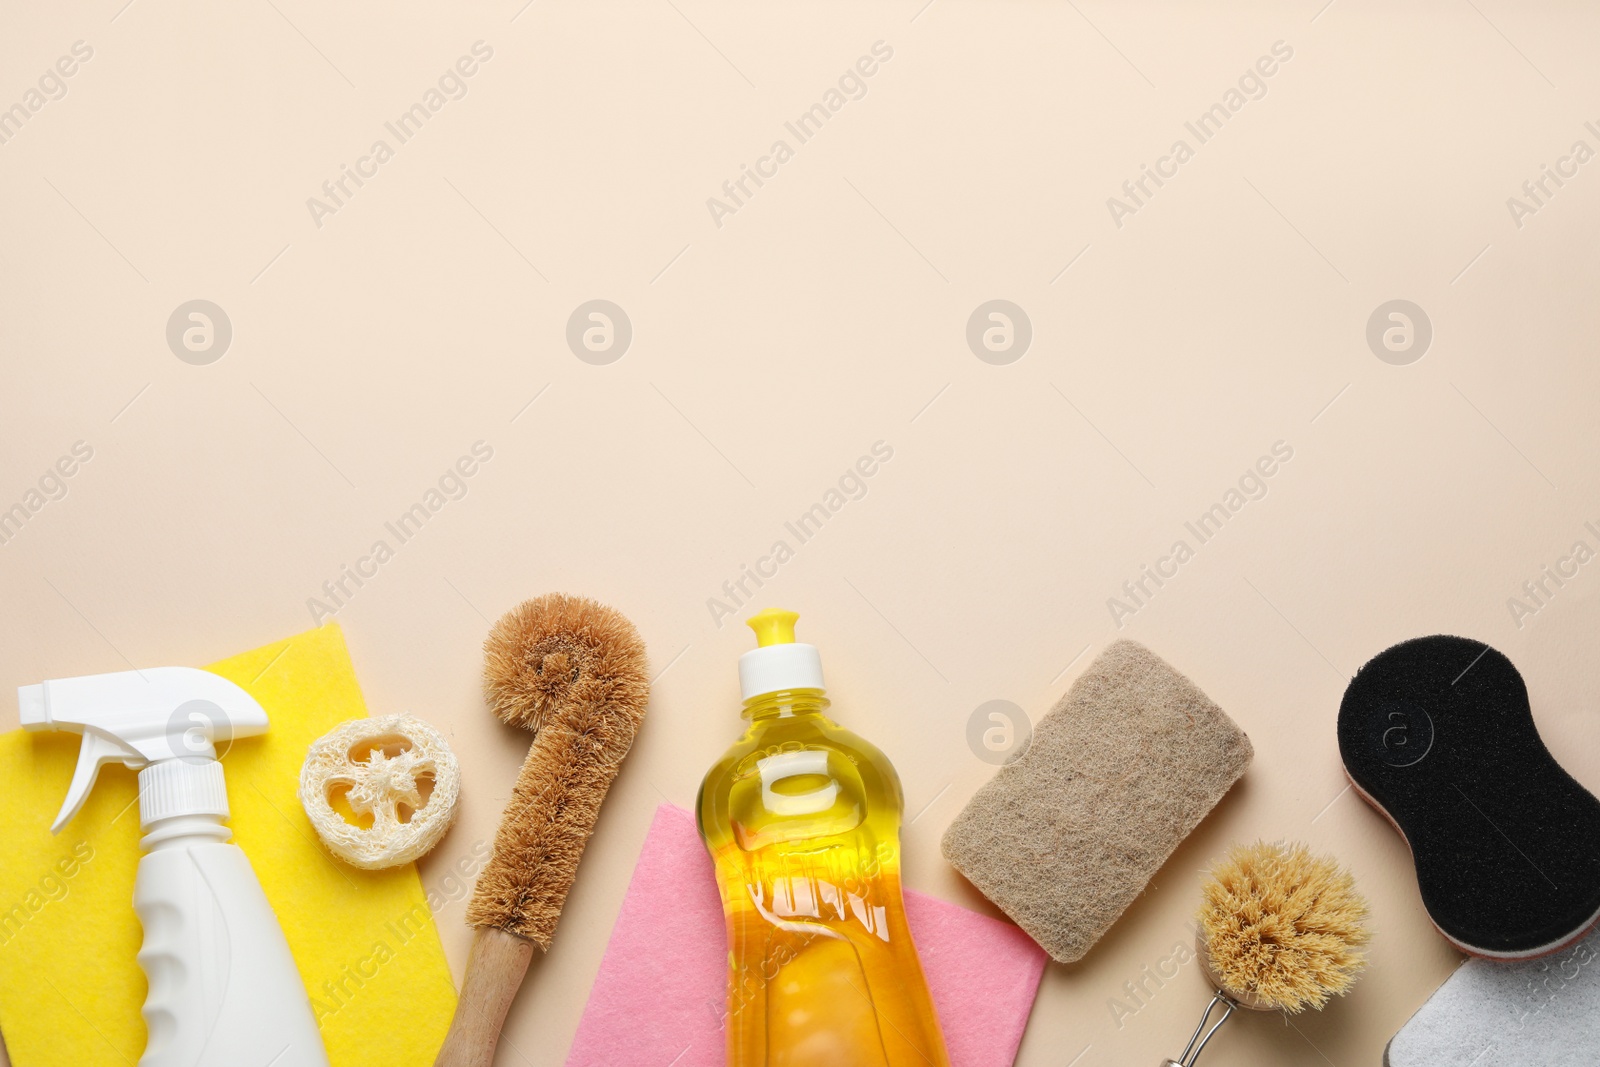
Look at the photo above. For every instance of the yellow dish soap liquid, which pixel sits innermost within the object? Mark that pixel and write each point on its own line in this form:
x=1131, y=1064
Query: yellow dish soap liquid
x=803, y=820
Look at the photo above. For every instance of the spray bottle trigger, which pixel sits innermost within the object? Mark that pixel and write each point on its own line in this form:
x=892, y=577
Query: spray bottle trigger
x=96, y=751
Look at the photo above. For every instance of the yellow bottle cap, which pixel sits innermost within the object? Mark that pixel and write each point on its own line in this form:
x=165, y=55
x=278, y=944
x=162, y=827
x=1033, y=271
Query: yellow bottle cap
x=779, y=662
x=773, y=626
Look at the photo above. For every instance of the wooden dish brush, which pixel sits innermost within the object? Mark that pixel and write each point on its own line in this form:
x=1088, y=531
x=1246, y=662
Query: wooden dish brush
x=1280, y=930
x=572, y=671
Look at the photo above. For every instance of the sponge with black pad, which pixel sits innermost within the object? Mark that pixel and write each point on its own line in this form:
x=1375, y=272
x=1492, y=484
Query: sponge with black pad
x=1436, y=733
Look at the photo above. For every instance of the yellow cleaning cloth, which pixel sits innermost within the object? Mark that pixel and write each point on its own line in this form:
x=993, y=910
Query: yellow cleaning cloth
x=70, y=986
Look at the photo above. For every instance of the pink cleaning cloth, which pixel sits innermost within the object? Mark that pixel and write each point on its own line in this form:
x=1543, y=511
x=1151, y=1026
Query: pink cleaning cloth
x=661, y=991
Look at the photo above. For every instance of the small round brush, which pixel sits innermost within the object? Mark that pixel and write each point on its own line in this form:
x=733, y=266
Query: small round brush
x=1280, y=930
x=573, y=672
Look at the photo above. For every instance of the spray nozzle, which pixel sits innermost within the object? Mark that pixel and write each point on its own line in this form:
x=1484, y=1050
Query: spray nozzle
x=138, y=718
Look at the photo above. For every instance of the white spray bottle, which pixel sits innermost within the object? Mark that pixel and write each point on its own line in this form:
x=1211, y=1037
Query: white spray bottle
x=223, y=987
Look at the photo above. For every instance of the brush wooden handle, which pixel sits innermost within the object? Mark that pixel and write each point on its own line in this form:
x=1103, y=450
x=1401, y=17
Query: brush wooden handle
x=574, y=672
x=495, y=968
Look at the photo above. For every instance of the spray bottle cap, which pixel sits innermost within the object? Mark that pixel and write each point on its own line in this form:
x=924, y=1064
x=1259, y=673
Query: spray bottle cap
x=164, y=718
x=780, y=662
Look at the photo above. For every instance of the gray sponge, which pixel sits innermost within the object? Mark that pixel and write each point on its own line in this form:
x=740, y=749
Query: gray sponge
x=1541, y=1013
x=1119, y=772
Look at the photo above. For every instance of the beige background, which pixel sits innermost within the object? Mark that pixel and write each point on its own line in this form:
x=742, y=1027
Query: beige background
x=768, y=354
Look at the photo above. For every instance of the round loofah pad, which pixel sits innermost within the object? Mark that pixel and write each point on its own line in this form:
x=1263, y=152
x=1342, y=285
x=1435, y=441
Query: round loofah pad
x=395, y=775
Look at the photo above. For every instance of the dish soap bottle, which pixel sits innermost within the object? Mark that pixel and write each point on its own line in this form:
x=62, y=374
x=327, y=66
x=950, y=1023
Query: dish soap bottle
x=802, y=818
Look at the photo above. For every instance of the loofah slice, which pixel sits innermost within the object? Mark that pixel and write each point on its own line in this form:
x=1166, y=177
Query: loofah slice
x=394, y=776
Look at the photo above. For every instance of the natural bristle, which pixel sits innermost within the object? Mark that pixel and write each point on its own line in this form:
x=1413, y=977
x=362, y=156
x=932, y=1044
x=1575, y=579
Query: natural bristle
x=574, y=672
x=1283, y=927
x=558, y=651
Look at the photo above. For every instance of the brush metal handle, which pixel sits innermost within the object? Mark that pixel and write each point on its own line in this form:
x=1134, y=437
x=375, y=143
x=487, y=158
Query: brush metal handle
x=495, y=968
x=1202, y=1036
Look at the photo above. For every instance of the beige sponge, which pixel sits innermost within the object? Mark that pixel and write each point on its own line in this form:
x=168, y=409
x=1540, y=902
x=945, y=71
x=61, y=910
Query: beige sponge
x=1118, y=773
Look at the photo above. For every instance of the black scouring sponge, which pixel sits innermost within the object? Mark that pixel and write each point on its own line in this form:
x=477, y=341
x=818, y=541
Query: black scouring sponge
x=1437, y=735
